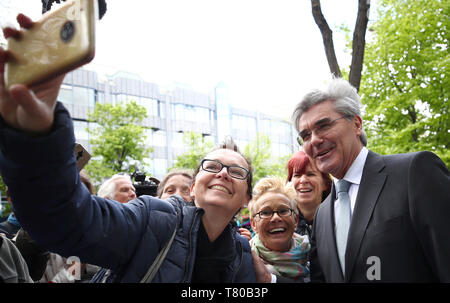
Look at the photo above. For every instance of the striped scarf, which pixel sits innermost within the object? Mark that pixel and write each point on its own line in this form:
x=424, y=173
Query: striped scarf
x=290, y=264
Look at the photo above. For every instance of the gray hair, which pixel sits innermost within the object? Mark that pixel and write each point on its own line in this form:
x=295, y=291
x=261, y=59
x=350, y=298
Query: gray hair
x=345, y=97
x=108, y=188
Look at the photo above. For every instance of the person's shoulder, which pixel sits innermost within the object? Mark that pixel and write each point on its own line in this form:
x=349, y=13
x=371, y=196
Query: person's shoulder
x=152, y=203
x=408, y=158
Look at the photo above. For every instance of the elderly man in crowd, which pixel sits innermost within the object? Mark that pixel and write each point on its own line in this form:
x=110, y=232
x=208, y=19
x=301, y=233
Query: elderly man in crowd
x=118, y=187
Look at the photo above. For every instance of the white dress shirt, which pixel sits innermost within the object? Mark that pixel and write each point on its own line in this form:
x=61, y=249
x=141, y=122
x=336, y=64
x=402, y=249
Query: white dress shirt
x=353, y=175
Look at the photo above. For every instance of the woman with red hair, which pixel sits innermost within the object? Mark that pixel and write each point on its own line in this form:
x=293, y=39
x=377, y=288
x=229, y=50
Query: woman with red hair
x=312, y=188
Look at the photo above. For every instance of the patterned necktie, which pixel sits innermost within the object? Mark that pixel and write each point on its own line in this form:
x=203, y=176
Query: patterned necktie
x=343, y=219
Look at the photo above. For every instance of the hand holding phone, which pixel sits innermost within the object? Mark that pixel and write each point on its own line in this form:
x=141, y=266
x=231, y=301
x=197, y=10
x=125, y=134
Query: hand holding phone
x=28, y=99
x=59, y=42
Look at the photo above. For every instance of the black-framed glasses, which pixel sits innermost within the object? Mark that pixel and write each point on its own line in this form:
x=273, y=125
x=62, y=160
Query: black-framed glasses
x=321, y=129
x=234, y=171
x=268, y=213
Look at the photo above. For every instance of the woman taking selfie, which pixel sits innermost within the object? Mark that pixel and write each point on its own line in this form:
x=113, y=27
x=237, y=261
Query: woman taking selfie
x=193, y=243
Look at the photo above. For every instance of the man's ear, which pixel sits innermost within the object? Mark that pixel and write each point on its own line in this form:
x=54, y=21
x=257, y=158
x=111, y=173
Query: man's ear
x=357, y=121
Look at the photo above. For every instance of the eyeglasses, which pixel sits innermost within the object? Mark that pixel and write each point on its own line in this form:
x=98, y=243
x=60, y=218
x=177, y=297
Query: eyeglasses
x=268, y=213
x=321, y=129
x=233, y=171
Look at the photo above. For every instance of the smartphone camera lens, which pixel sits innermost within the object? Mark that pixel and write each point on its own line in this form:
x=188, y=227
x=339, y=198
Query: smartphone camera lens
x=67, y=31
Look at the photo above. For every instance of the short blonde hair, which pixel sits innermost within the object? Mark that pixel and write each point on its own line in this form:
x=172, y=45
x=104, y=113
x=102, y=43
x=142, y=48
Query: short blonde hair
x=273, y=185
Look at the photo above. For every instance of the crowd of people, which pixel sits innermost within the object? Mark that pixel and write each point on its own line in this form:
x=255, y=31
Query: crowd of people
x=344, y=213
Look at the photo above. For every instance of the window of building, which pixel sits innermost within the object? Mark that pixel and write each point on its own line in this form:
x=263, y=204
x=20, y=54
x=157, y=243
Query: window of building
x=264, y=126
x=177, y=140
x=151, y=105
x=161, y=109
x=99, y=97
x=159, y=138
x=81, y=96
x=91, y=97
x=80, y=130
x=183, y=112
x=159, y=168
x=243, y=123
x=65, y=94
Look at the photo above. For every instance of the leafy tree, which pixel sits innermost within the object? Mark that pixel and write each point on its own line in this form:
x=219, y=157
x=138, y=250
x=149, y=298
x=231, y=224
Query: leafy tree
x=198, y=148
x=259, y=152
x=118, y=142
x=406, y=78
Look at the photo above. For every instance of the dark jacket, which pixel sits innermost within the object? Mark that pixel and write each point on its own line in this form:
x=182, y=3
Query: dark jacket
x=304, y=227
x=399, y=230
x=61, y=215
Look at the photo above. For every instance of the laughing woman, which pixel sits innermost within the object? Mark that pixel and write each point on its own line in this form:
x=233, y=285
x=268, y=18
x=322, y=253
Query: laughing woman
x=274, y=217
x=312, y=188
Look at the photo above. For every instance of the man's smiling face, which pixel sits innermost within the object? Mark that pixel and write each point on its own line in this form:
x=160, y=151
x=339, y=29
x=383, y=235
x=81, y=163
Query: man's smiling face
x=334, y=151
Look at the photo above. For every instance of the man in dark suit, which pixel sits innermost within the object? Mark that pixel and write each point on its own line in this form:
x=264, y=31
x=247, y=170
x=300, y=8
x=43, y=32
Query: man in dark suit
x=391, y=221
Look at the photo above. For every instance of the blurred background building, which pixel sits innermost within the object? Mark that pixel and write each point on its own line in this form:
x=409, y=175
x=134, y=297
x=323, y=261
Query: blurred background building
x=170, y=114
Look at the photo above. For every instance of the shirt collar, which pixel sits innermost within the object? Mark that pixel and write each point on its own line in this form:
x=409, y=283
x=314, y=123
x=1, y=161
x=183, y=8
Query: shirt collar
x=354, y=173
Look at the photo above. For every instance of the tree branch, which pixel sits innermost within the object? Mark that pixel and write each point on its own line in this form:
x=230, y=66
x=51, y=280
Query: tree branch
x=359, y=42
x=327, y=37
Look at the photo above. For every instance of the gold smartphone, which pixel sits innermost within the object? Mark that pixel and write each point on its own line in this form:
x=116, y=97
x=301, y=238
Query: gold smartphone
x=59, y=42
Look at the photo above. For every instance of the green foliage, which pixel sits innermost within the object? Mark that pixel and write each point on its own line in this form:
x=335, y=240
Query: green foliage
x=406, y=78
x=6, y=206
x=118, y=142
x=7, y=210
x=259, y=152
x=2, y=186
x=198, y=148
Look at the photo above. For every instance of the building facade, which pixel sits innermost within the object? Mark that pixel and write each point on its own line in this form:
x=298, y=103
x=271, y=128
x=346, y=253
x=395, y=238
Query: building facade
x=170, y=114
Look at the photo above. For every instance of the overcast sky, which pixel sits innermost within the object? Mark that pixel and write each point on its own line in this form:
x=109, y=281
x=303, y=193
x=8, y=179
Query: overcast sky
x=267, y=53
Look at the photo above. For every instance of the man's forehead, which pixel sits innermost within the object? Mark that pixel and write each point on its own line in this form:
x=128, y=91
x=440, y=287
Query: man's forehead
x=123, y=181
x=322, y=111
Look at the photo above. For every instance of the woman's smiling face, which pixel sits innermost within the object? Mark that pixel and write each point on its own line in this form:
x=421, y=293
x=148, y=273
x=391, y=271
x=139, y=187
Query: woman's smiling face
x=219, y=191
x=309, y=185
x=276, y=232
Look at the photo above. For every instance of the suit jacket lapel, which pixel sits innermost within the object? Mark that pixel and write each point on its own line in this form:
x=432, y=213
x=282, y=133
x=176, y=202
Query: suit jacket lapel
x=372, y=182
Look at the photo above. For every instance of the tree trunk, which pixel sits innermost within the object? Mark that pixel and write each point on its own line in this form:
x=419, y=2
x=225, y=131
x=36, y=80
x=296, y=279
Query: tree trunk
x=327, y=36
x=359, y=42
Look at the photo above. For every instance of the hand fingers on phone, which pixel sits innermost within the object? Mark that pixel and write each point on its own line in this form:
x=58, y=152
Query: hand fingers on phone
x=25, y=21
x=11, y=32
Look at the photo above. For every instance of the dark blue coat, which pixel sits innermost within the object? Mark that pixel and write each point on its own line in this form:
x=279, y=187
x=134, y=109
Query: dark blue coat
x=61, y=215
